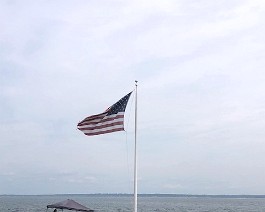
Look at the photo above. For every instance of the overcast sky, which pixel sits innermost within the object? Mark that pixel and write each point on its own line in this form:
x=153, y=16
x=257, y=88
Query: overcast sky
x=201, y=97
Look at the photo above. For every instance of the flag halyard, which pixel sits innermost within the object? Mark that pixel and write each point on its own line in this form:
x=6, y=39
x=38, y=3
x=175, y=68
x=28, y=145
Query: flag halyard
x=112, y=120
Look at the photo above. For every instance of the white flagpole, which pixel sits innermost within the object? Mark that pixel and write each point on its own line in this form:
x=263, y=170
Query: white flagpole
x=135, y=151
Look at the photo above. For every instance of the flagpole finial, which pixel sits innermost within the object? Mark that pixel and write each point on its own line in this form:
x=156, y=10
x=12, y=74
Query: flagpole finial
x=136, y=81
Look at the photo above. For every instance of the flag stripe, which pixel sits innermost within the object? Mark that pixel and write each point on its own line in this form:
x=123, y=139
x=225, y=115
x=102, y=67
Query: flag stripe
x=104, y=129
x=105, y=119
x=104, y=132
x=102, y=126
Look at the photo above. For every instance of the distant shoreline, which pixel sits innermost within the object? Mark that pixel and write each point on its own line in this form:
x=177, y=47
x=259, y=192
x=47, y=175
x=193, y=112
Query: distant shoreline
x=145, y=195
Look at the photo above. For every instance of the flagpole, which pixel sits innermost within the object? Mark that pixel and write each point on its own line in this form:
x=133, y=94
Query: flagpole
x=135, y=151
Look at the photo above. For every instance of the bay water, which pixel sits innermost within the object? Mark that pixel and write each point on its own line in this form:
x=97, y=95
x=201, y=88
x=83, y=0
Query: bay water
x=124, y=203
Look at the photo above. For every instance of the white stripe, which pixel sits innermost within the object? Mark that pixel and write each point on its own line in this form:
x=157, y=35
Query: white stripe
x=113, y=115
x=103, y=129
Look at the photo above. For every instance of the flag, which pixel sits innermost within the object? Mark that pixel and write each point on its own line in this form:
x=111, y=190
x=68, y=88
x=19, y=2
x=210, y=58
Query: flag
x=112, y=120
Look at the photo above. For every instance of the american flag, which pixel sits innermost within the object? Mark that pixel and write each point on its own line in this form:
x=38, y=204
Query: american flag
x=111, y=120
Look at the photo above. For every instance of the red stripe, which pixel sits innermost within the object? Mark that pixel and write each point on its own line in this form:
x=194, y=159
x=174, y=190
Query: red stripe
x=104, y=132
x=100, y=121
x=102, y=126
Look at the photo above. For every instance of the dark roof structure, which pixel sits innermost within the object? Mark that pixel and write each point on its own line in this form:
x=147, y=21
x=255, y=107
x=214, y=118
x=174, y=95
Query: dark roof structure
x=70, y=205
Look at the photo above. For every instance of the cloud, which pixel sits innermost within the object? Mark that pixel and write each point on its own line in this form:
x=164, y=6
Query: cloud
x=201, y=100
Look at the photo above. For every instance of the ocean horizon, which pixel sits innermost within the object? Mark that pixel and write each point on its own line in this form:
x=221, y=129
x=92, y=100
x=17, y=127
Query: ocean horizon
x=147, y=195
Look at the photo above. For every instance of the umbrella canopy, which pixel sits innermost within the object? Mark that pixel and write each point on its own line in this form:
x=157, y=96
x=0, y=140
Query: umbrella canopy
x=70, y=205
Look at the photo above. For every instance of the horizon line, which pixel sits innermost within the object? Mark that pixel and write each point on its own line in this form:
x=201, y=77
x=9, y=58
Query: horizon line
x=142, y=194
